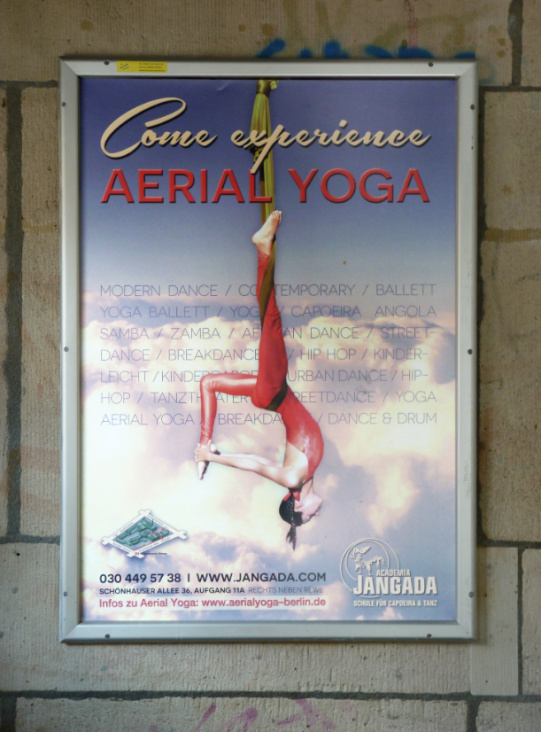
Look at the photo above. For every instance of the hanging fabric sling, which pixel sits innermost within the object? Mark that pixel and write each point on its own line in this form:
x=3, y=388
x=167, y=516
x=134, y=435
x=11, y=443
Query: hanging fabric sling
x=261, y=122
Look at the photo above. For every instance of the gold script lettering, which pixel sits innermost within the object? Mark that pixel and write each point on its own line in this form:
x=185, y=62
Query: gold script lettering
x=149, y=137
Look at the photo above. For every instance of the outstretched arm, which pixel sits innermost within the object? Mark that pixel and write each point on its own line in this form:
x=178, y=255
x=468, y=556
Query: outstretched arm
x=287, y=476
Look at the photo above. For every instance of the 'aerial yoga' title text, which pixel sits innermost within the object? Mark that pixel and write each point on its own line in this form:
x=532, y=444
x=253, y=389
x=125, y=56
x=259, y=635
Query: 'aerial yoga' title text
x=374, y=184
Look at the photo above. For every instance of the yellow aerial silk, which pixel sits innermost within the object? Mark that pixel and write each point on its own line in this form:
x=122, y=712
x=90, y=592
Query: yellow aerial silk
x=261, y=122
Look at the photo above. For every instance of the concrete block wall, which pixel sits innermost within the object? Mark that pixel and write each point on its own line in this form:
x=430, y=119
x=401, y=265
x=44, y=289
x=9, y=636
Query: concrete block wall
x=494, y=684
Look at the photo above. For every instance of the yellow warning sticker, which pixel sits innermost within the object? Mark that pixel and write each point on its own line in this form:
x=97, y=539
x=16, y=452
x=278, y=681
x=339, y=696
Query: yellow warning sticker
x=142, y=67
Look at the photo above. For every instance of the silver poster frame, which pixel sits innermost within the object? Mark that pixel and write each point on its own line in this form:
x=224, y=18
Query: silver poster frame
x=72, y=629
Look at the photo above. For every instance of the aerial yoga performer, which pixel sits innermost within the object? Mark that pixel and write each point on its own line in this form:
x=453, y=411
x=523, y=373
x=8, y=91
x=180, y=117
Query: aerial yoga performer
x=269, y=389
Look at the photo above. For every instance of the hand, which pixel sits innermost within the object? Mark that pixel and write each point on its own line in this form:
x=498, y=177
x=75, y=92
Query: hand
x=204, y=452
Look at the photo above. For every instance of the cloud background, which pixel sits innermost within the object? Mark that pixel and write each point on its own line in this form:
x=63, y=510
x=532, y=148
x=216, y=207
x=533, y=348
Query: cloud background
x=381, y=388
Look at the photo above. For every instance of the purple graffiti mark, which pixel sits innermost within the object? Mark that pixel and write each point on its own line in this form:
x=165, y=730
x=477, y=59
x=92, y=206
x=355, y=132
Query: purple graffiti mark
x=210, y=711
x=245, y=718
x=312, y=716
x=413, y=25
x=274, y=47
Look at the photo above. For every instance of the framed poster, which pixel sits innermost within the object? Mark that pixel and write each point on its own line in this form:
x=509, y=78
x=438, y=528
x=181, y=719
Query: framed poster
x=268, y=350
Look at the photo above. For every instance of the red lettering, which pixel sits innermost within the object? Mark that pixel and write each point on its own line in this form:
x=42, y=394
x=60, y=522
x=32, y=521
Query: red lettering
x=204, y=194
x=144, y=184
x=174, y=186
x=233, y=191
x=303, y=185
x=350, y=179
x=407, y=191
x=388, y=187
x=253, y=198
x=124, y=190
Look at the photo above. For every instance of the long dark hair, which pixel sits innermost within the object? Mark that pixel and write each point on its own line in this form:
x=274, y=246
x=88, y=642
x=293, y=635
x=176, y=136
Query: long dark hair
x=291, y=517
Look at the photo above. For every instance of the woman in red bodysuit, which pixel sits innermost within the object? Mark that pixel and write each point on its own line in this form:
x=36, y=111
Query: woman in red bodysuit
x=269, y=390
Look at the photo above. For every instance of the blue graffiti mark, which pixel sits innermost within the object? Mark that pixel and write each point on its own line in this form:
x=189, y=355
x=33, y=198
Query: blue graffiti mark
x=274, y=47
x=377, y=52
x=333, y=49
x=409, y=52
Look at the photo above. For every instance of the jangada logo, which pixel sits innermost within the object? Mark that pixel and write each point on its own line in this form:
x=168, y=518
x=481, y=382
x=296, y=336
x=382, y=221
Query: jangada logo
x=366, y=561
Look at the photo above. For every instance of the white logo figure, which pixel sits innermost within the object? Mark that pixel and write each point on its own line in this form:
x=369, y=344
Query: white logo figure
x=359, y=559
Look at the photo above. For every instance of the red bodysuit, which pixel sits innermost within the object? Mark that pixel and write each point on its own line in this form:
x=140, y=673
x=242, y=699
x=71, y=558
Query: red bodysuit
x=302, y=431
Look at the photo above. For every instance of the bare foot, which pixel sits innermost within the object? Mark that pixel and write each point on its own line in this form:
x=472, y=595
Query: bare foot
x=201, y=452
x=265, y=236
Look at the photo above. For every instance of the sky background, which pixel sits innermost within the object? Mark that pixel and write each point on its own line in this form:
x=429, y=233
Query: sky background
x=394, y=482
